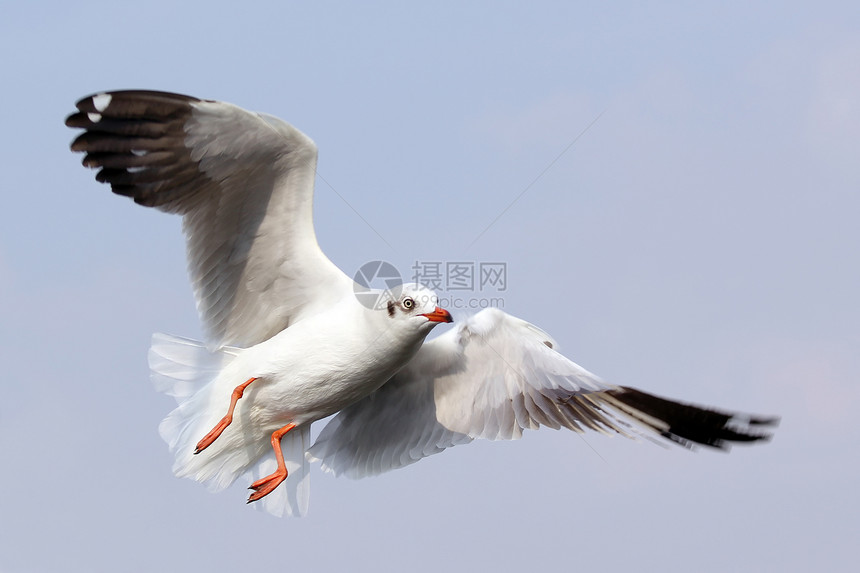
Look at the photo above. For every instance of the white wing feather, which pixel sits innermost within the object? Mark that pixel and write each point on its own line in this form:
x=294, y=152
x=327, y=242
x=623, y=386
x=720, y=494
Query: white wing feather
x=255, y=263
x=491, y=377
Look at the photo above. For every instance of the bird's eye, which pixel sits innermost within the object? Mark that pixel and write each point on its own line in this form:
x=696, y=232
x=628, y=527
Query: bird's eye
x=408, y=303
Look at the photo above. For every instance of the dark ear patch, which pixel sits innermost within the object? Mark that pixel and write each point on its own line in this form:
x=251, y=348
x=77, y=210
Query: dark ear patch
x=390, y=308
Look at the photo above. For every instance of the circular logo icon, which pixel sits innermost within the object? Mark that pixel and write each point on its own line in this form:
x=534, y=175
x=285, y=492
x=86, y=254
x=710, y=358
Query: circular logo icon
x=376, y=283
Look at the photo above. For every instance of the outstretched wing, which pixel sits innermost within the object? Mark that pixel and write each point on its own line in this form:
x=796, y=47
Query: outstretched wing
x=493, y=377
x=243, y=183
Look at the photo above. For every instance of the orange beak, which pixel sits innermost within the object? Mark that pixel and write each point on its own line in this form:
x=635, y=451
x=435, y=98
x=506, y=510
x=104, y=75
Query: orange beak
x=439, y=315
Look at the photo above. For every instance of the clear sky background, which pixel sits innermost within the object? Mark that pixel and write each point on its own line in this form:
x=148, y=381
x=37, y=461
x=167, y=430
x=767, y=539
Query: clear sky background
x=699, y=240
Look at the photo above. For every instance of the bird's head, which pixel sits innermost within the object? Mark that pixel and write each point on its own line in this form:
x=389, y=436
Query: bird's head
x=417, y=306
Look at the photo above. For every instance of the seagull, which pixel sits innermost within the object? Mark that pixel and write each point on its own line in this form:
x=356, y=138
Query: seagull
x=288, y=341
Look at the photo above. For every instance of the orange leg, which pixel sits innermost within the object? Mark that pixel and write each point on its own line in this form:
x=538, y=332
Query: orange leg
x=225, y=421
x=267, y=485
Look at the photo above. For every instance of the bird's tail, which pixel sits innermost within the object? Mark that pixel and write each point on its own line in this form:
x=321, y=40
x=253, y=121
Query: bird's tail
x=186, y=370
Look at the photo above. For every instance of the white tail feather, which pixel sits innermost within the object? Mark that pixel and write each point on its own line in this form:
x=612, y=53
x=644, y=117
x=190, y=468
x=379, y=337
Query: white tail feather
x=188, y=371
x=181, y=366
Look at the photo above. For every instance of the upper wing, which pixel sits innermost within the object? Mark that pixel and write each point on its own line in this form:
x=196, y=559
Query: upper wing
x=244, y=184
x=492, y=377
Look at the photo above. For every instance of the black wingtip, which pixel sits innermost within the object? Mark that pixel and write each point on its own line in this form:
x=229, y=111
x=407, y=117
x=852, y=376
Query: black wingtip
x=690, y=425
x=768, y=421
x=137, y=141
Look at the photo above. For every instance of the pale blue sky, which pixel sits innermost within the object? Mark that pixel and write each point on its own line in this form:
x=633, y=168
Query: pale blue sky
x=699, y=241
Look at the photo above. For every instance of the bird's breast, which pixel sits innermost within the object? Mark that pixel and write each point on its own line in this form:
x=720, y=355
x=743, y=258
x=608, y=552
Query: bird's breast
x=309, y=372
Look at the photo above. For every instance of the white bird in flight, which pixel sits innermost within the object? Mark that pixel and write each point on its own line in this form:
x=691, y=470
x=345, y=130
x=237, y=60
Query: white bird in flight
x=288, y=342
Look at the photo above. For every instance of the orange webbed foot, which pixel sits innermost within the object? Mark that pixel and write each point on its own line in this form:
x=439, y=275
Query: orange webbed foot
x=265, y=486
x=225, y=421
x=213, y=434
